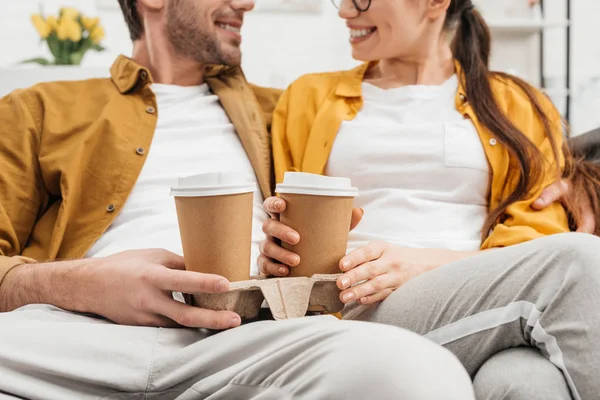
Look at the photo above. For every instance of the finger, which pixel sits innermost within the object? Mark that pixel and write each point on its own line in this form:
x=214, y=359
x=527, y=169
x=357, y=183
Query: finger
x=376, y=298
x=277, y=253
x=274, y=206
x=196, y=317
x=363, y=272
x=188, y=281
x=587, y=223
x=368, y=288
x=156, y=321
x=166, y=258
x=357, y=215
x=369, y=252
x=269, y=267
x=553, y=193
x=280, y=231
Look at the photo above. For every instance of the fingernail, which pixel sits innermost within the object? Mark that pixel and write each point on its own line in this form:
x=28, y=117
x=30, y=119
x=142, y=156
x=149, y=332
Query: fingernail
x=346, y=264
x=345, y=283
x=223, y=285
x=283, y=270
x=347, y=297
x=295, y=260
x=235, y=321
x=278, y=204
x=293, y=237
x=540, y=201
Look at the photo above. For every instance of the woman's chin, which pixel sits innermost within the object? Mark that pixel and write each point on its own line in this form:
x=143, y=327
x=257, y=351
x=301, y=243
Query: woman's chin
x=361, y=55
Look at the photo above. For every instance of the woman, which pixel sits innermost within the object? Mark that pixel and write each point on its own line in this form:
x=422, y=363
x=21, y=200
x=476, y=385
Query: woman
x=448, y=158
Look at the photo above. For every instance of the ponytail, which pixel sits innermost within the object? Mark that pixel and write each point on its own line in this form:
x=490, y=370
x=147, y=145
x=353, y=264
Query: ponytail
x=471, y=47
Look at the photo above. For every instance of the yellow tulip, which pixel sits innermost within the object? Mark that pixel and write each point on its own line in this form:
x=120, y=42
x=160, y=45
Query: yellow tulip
x=62, y=31
x=68, y=29
x=69, y=13
x=52, y=23
x=97, y=34
x=89, y=23
x=42, y=27
x=75, y=32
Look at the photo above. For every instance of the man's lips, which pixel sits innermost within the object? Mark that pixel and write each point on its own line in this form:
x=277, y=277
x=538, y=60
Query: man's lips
x=230, y=25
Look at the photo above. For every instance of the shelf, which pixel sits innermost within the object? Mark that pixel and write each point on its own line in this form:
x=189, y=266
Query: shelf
x=524, y=26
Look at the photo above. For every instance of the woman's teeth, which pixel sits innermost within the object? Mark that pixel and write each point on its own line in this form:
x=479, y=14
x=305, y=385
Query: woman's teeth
x=229, y=28
x=358, y=33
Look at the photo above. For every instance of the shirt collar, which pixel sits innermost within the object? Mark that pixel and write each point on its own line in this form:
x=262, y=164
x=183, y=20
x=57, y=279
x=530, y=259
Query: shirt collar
x=350, y=84
x=126, y=73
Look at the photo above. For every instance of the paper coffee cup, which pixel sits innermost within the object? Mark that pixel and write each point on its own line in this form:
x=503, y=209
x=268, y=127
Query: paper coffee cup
x=319, y=208
x=214, y=212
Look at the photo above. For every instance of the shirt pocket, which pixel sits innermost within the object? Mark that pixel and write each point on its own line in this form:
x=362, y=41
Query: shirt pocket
x=463, y=148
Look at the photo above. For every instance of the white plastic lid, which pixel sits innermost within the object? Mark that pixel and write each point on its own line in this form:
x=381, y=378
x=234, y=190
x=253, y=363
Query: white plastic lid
x=212, y=184
x=316, y=185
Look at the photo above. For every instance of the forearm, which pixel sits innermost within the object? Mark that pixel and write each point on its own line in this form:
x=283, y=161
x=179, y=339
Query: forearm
x=439, y=257
x=55, y=283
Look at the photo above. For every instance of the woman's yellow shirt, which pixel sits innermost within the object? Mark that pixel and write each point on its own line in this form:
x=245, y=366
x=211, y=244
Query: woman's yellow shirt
x=310, y=112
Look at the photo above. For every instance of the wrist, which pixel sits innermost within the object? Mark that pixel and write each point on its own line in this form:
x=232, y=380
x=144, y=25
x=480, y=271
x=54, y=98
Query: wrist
x=55, y=283
x=443, y=257
x=64, y=284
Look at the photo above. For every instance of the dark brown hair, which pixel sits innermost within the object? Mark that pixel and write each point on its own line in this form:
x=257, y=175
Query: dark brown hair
x=584, y=178
x=471, y=47
x=132, y=18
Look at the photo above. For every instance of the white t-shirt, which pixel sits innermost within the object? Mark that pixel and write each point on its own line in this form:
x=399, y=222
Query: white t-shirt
x=193, y=135
x=420, y=168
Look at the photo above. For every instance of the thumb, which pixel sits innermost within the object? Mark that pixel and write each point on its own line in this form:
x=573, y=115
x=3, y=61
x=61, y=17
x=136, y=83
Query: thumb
x=551, y=194
x=357, y=215
x=540, y=203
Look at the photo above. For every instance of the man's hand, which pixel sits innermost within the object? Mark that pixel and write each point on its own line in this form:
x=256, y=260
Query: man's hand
x=560, y=191
x=274, y=259
x=129, y=288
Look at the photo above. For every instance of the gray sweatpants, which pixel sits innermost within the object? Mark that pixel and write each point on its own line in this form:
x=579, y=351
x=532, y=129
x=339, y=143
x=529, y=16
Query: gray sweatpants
x=544, y=294
x=521, y=373
x=47, y=353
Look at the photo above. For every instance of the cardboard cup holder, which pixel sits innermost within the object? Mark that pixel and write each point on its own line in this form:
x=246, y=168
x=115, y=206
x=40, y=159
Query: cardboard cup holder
x=287, y=297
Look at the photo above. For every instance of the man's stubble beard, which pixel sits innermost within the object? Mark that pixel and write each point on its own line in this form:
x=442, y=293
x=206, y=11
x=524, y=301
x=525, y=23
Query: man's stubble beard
x=190, y=40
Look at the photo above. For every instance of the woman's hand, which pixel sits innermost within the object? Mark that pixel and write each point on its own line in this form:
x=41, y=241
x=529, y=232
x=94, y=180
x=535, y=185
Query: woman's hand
x=560, y=191
x=274, y=259
x=384, y=268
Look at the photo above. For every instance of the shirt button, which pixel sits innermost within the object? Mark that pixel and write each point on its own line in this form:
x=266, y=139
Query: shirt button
x=140, y=150
x=110, y=208
x=143, y=75
x=462, y=98
x=493, y=142
x=150, y=110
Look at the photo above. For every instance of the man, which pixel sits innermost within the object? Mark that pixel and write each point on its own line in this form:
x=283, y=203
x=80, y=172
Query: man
x=85, y=170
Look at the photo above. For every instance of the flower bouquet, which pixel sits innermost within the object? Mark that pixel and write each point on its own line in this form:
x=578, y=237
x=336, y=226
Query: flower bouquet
x=69, y=36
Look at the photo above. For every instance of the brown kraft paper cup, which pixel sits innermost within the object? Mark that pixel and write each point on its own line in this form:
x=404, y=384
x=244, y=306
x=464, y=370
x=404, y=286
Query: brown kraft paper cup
x=323, y=223
x=216, y=234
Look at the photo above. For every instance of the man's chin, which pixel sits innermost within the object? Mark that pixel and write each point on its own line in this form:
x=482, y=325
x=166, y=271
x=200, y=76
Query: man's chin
x=231, y=58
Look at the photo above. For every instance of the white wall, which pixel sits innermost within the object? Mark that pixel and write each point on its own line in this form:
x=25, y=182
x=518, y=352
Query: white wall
x=280, y=47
